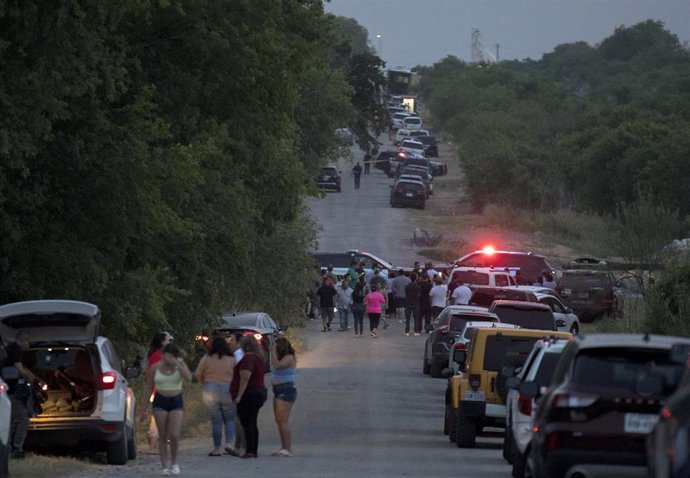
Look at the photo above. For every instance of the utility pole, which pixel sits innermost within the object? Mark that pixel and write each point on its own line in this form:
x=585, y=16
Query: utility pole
x=498, y=46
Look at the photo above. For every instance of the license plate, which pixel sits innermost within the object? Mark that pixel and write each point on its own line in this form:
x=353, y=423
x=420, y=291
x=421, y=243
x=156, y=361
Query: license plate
x=325, y=178
x=474, y=396
x=639, y=422
x=409, y=195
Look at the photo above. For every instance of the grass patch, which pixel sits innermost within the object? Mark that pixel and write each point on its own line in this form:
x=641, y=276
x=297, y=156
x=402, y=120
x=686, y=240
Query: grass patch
x=40, y=465
x=631, y=322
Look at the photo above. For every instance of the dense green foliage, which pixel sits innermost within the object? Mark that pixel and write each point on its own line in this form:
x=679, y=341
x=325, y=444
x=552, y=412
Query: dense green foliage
x=585, y=128
x=154, y=155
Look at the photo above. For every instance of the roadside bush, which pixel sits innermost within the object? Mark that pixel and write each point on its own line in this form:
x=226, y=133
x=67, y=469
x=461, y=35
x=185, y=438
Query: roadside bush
x=582, y=231
x=667, y=303
x=508, y=217
x=631, y=322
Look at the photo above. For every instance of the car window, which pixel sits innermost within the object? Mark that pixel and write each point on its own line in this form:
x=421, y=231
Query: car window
x=546, y=368
x=623, y=368
x=555, y=305
x=242, y=320
x=458, y=322
x=501, y=280
x=471, y=277
x=527, y=318
x=113, y=357
x=341, y=260
x=485, y=297
x=506, y=350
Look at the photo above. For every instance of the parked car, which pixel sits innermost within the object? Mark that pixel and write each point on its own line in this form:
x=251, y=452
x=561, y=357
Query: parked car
x=345, y=136
x=448, y=327
x=5, y=414
x=341, y=261
x=605, y=397
x=430, y=145
x=418, y=133
x=472, y=398
x=413, y=147
x=668, y=454
x=398, y=119
x=530, y=315
x=408, y=192
x=387, y=162
x=530, y=265
x=420, y=173
x=259, y=324
x=561, y=313
x=538, y=368
x=485, y=296
x=457, y=355
x=412, y=123
x=88, y=403
x=591, y=293
x=329, y=178
x=480, y=276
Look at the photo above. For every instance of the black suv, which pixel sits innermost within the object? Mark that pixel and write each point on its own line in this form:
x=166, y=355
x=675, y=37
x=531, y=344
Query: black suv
x=430, y=145
x=328, y=178
x=604, y=399
x=590, y=293
x=408, y=193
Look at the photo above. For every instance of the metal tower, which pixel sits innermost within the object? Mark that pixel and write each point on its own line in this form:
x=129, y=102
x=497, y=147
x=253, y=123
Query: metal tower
x=477, y=49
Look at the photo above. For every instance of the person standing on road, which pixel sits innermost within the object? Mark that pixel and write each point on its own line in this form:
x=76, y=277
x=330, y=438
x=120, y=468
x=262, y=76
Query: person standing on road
x=214, y=372
x=548, y=280
x=425, y=301
x=153, y=356
x=390, y=310
x=358, y=307
x=412, y=293
x=357, y=173
x=461, y=295
x=353, y=275
x=167, y=376
x=373, y=303
x=331, y=275
x=284, y=362
x=248, y=391
x=430, y=271
x=376, y=280
x=344, y=302
x=438, y=294
x=399, y=284
x=20, y=391
x=233, y=341
x=327, y=294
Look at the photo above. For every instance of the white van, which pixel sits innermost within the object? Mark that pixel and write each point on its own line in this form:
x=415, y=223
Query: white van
x=412, y=123
x=401, y=134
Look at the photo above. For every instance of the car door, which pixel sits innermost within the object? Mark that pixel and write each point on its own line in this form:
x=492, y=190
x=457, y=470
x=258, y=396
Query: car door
x=559, y=311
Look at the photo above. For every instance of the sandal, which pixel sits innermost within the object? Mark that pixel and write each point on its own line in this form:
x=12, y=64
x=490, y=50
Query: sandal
x=232, y=451
x=214, y=453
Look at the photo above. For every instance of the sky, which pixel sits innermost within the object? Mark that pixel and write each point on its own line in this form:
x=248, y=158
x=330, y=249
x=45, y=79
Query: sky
x=422, y=32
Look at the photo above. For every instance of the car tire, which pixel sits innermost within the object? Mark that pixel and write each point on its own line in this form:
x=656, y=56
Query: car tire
x=435, y=370
x=519, y=466
x=452, y=425
x=4, y=460
x=466, y=431
x=117, y=451
x=132, y=444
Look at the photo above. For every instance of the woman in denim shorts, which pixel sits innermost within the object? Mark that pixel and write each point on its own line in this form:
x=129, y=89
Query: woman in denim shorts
x=284, y=363
x=168, y=407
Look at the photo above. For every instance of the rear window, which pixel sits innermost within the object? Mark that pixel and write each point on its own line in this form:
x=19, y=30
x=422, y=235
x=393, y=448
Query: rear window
x=546, y=368
x=470, y=277
x=504, y=350
x=526, y=318
x=584, y=281
x=410, y=186
x=411, y=145
x=241, y=321
x=412, y=121
x=485, y=297
x=623, y=368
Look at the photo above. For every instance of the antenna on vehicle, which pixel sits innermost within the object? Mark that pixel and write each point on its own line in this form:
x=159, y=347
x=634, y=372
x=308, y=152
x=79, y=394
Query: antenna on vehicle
x=646, y=337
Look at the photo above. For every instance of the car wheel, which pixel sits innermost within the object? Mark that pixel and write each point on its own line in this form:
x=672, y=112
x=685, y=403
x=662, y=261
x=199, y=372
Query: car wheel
x=519, y=466
x=452, y=424
x=574, y=329
x=4, y=460
x=435, y=369
x=466, y=432
x=117, y=450
x=132, y=444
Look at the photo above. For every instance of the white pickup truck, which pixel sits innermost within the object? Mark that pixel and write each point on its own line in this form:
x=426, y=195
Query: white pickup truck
x=481, y=276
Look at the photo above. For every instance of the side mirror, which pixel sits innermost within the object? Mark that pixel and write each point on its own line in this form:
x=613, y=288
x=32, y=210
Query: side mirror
x=10, y=373
x=513, y=382
x=529, y=389
x=283, y=327
x=508, y=371
x=561, y=323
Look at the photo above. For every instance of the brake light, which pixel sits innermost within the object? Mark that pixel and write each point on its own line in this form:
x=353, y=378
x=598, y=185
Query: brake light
x=420, y=193
x=666, y=413
x=108, y=380
x=3, y=388
x=475, y=381
x=525, y=405
x=459, y=346
x=574, y=400
x=399, y=190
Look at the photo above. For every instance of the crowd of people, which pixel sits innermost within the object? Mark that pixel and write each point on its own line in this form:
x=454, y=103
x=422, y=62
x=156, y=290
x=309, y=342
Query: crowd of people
x=415, y=297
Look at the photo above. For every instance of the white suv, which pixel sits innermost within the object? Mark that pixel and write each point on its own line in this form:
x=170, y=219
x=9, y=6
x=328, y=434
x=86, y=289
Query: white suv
x=481, y=276
x=88, y=402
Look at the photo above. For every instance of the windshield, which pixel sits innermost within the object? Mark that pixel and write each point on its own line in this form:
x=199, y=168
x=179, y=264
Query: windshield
x=470, y=277
x=504, y=350
x=240, y=321
x=546, y=368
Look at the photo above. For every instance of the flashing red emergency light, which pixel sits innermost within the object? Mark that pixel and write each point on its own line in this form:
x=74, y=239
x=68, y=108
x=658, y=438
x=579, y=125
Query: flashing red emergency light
x=488, y=250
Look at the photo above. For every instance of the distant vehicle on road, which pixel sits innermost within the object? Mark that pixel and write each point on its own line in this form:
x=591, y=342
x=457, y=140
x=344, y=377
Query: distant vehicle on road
x=329, y=178
x=530, y=265
x=409, y=191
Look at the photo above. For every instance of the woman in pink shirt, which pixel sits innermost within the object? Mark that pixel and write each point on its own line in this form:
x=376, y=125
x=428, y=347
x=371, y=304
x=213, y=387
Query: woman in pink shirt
x=372, y=304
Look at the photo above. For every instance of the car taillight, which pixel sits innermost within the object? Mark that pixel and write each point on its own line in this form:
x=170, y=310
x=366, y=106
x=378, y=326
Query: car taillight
x=108, y=380
x=525, y=405
x=459, y=346
x=574, y=400
x=3, y=388
x=399, y=190
x=475, y=381
x=666, y=413
x=420, y=193
x=552, y=442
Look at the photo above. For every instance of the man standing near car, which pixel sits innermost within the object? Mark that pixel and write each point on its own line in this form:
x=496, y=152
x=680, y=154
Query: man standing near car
x=357, y=173
x=344, y=302
x=461, y=295
x=327, y=295
x=412, y=293
x=20, y=392
x=399, y=283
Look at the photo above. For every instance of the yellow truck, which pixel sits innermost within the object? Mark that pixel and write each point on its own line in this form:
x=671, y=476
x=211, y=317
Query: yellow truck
x=475, y=396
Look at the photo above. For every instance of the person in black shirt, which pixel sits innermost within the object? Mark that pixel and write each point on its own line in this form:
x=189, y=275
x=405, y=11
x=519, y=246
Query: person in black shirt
x=20, y=392
x=327, y=294
x=357, y=173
